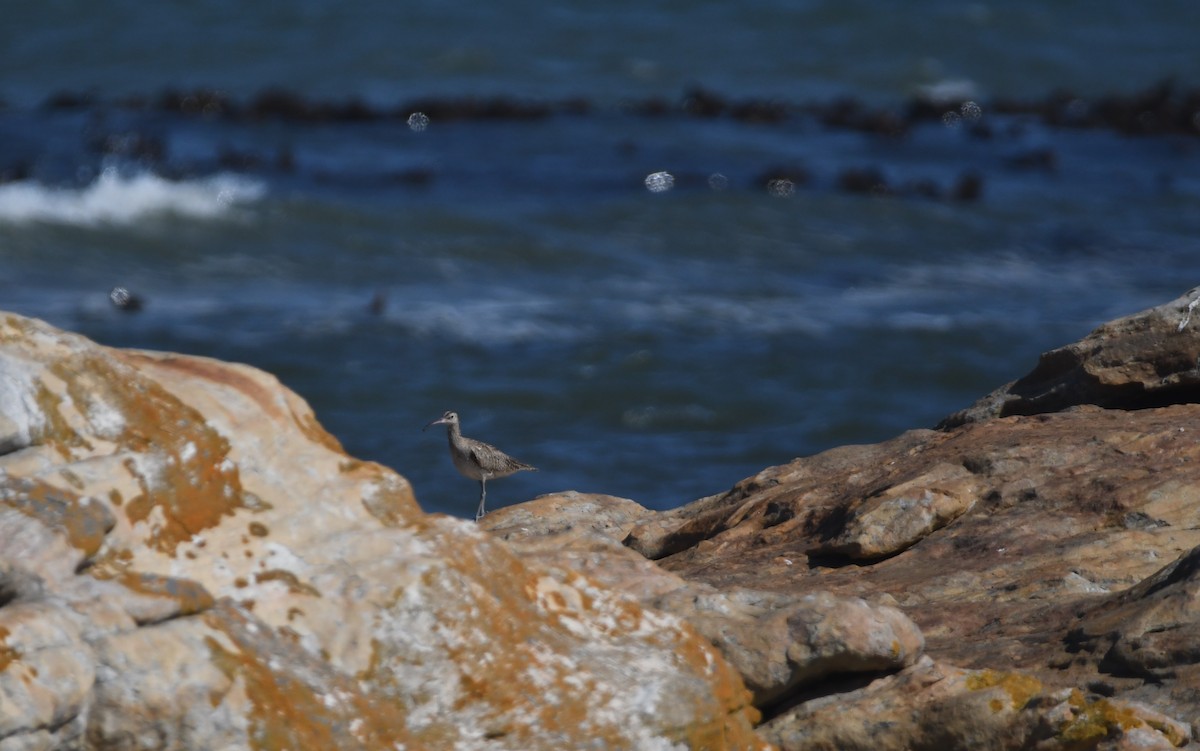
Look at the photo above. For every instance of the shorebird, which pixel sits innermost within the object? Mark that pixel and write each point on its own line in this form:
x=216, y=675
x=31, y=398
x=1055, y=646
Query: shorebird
x=476, y=459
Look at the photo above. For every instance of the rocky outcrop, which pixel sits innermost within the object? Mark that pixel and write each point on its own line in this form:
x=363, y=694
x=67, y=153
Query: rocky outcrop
x=188, y=560
x=1045, y=538
x=1150, y=359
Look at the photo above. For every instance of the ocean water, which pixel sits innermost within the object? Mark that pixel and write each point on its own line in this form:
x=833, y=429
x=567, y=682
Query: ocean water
x=568, y=223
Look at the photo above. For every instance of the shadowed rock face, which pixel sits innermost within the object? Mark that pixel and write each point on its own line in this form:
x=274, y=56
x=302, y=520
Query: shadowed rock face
x=187, y=560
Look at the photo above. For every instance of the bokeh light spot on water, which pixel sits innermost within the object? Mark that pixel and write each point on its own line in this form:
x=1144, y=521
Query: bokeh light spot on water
x=123, y=299
x=781, y=188
x=659, y=182
x=418, y=121
x=717, y=181
x=971, y=111
x=951, y=119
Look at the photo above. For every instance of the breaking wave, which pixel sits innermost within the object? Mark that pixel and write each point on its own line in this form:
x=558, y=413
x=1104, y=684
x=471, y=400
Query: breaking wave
x=117, y=198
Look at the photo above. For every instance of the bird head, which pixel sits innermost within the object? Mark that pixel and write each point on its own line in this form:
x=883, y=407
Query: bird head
x=449, y=418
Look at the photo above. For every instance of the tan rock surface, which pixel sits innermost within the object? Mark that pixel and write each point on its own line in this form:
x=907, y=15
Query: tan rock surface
x=777, y=642
x=187, y=560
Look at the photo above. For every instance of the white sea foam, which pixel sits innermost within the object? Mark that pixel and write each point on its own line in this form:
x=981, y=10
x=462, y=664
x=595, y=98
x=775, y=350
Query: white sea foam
x=115, y=198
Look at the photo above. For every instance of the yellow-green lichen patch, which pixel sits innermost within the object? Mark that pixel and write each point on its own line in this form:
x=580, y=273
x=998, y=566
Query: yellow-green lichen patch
x=1095, y=720
x=1020, y=688
x=84, y=523
x=296, y=701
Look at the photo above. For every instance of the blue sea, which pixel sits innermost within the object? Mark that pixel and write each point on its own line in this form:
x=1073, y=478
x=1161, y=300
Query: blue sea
x=648, y=247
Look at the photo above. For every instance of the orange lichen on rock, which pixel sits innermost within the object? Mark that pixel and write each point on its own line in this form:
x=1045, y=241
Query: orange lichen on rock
x=84, y=524
x=8, y=654
x=179, y=462
x=289, y=579
x=298, y=702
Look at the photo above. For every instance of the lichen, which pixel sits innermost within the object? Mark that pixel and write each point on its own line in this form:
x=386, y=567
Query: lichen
x=1020, y=688
x=8, y=654
x=294, y=584
x=295, y=702
x=177, y=460
x=84, y=525
x=1095, y=720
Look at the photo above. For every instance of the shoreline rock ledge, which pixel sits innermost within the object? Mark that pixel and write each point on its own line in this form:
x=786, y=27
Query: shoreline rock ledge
x=189, y=561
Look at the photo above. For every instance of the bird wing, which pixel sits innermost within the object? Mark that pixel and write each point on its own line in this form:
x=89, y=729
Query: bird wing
x=491, y=459
x=487, y=457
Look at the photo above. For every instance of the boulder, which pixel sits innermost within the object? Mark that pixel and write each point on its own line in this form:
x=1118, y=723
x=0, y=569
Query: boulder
x=936, y=706
x=188, y=560
x=1148, y=359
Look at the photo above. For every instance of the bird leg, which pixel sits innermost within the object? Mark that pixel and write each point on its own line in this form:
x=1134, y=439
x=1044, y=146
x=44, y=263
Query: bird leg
x=482, y=499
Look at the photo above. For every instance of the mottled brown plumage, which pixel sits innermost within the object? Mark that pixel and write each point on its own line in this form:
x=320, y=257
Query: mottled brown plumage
x=476, y=459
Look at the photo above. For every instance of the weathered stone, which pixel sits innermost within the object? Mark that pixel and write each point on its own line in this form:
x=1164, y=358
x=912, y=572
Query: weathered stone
x=777, y=642
x=187, y=560
x=1151, y=630
x=570, y=513
x=904, y=514
x=783, y=643
x=1030, y=542
x=937, y=706
x=1148, y=359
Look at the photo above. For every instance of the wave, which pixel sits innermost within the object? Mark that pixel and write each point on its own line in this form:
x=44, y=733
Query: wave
x=117, y=198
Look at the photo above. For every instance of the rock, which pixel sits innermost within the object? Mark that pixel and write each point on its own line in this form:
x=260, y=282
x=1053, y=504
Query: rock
x=904, y=514
x=570, y=512
x=1148, y=359
x=1148, y=631
x=782, y=643
x=1059, y=545
x=933, y=705
x=188, y=560
x=777, y=642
